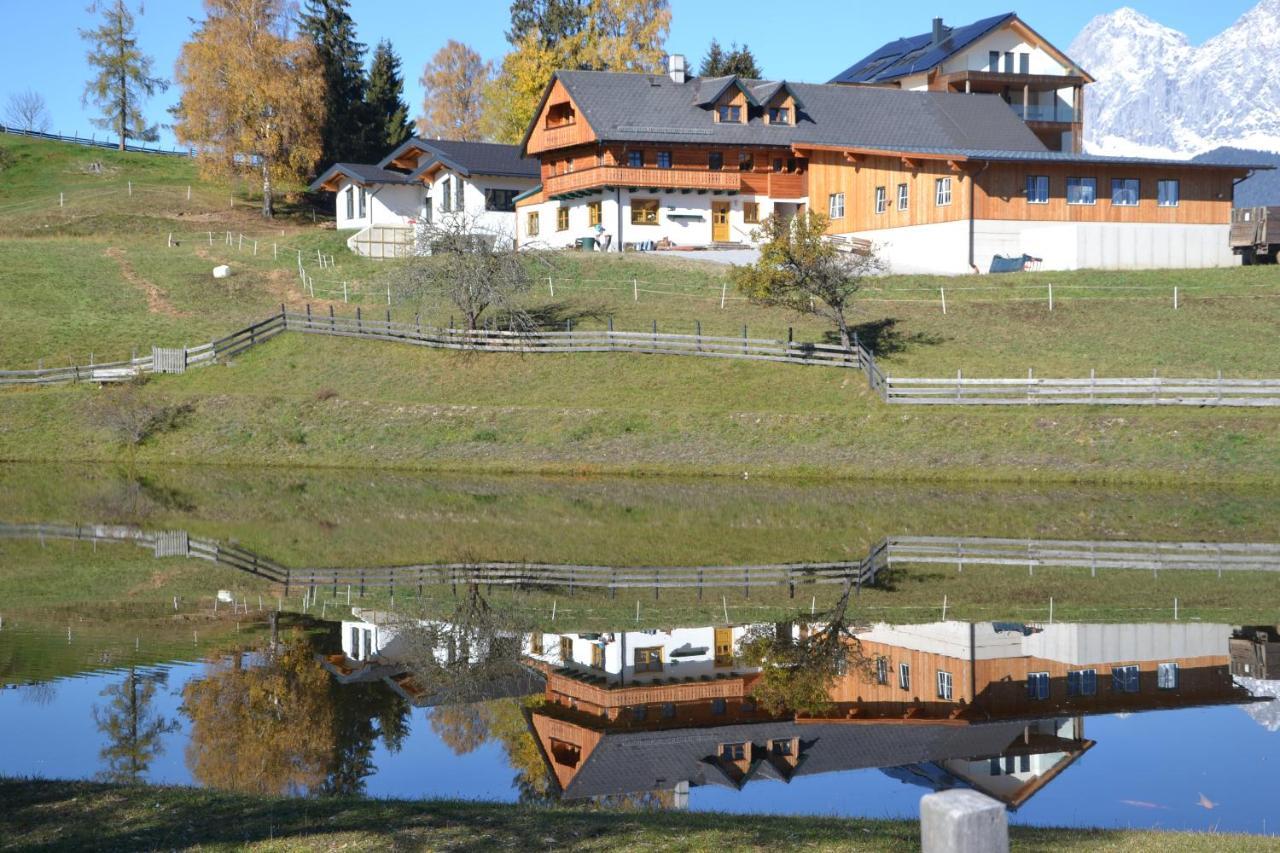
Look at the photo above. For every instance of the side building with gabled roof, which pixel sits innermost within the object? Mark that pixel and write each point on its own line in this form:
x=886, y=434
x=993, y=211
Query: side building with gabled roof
x=424, y=181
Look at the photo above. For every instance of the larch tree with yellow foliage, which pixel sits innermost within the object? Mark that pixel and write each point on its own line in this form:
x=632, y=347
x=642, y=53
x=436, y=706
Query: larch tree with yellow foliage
x=596, y=35
x=252, y=95
x=454, y=82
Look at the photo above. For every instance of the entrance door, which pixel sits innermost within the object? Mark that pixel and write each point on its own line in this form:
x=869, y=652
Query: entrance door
x=720, y=221
x=724, y=646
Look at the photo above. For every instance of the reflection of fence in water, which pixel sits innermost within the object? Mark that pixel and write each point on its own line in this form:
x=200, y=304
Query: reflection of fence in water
x=887, y=554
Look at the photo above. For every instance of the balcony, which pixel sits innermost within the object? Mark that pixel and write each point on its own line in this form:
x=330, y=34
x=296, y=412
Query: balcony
x=1056, y=112
x=598, y=177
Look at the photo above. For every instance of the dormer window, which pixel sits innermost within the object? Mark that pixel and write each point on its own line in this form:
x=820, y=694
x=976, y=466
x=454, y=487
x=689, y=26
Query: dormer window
x=559, y=115
x=729, y=114
x=733, y=751
x=779, y=115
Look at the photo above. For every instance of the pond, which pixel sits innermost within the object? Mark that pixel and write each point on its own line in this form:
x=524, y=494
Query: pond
x=1089, y=657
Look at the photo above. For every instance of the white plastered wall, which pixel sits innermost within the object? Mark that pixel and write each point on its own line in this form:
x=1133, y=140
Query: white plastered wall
x=683, y=218
x=385, y=204
x=501, y=223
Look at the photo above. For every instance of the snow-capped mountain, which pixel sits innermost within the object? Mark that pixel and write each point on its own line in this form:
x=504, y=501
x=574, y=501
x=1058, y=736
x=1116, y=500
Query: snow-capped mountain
x=1157, y=94
x=1267, y=714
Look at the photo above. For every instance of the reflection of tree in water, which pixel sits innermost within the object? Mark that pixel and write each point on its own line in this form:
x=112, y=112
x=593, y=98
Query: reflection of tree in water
x=274, y=722
x=797, y=673
x=465, y=728
x=462, y=659
x=132, y=729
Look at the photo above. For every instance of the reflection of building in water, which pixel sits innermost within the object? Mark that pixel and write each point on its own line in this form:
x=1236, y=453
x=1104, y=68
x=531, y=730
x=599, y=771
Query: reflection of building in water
x=999, y=707
x=377, y=647
x=1255, y=653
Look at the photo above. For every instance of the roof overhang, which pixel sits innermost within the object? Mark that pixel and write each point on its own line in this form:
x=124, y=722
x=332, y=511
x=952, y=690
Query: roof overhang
x=854, y=154
x=413, y=143
x=1023, y=29
x=331, y=179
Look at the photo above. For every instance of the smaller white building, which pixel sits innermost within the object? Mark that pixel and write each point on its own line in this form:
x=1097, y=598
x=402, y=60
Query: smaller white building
x=427, y=182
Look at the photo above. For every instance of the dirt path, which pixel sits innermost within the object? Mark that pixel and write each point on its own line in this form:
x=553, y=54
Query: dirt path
x=157, y=302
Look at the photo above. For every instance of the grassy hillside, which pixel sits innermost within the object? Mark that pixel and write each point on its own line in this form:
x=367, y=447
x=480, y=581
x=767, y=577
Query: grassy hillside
x=102, y=279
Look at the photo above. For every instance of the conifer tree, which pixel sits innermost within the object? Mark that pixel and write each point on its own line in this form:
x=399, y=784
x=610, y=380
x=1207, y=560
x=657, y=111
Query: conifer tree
x=387, y=115
x=739, y=61
x=123, y=79
x=328, y=25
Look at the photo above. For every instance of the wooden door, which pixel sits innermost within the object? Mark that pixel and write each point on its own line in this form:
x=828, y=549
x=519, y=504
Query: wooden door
x=720, y=221
x=724, y=646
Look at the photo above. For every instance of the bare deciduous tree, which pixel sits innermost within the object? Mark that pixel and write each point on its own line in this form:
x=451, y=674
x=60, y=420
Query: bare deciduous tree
x=469, y=654
x=475, y=270
x=26, y=110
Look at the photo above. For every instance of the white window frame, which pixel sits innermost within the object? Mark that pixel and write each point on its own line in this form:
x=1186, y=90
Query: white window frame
x=835, y=206
x=904, y=676
x=1038, y=684
x=1167, y=676
x=942, y=192
x=1162, y=197
x=351, y=202
x=946, y=686
x=1086, y=682
x=1082, y=182
x=1034, y=181
x=882, y=200
x=363, y=203
x=1137, y=192
x=904, y=196
x=882, y=670
x=1130, y=675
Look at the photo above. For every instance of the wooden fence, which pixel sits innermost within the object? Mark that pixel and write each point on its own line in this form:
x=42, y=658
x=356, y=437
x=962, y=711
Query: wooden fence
x=1082, y=554
x=1032, y=391
x=1153, y=391
x=652, y=342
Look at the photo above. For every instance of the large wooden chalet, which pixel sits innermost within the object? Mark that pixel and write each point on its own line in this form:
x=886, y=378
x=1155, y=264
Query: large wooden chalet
x=946, y=150
x=996, y=706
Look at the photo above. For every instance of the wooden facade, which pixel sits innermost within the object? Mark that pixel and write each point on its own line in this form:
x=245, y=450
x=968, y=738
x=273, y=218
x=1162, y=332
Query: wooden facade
x=857, y=175
x=1000, y=190
x=560, y=124
x=996, y=688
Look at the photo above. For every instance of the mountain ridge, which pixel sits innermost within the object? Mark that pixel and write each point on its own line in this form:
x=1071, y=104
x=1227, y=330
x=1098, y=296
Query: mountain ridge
x=1157, y=94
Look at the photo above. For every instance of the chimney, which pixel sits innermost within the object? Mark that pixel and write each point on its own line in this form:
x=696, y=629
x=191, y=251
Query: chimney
x=676, y=67
x=939, y=31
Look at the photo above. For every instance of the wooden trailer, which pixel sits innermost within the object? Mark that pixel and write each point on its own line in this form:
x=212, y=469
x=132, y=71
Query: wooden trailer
x=1255, y=234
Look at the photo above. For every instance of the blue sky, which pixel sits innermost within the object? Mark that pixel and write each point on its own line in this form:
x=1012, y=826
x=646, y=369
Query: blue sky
x=810, y=41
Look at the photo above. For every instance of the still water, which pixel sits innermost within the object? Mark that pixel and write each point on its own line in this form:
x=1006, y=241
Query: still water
x=1091, y=658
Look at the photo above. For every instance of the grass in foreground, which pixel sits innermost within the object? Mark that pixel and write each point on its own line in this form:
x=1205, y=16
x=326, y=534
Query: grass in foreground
x=48, y=815
x=308, y=401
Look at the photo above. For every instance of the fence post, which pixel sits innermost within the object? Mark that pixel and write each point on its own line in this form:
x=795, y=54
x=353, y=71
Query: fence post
x=635, y=289
x=724, y=289
x=655, y=334
x=308, y=315
x=697, y=326
x=963, y=821
x=1175, y=297
x=359, y=320
x=1030, y=379
x=959, y=380
x=744, y=338
x=551, y=286
x=332, y=326
x=943, y=292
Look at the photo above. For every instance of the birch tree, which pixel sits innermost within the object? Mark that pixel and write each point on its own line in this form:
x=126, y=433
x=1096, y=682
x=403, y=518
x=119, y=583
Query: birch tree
x=123, y=79
x=252, y=95
x=26, y=110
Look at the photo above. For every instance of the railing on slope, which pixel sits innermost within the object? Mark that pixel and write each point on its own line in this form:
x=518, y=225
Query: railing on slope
x=1152, y=391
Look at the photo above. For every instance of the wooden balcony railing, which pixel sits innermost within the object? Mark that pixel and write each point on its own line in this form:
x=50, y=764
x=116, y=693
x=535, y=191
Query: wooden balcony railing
x=624, y=176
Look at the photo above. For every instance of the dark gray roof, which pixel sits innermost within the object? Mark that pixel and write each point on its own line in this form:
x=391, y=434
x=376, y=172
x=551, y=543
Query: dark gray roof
x=471, y=158
x=1082, y=159
x=627, y=762
x=654, y=108
x=363, y=173
x=1261, y=190
x=914, y=54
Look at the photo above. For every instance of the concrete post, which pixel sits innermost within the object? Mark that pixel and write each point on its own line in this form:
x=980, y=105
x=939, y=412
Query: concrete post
x=963, y=821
